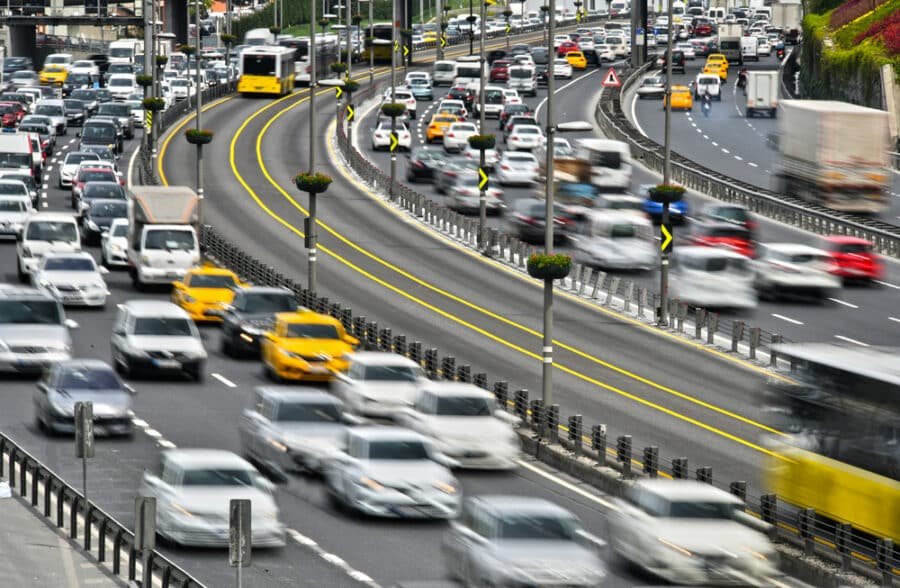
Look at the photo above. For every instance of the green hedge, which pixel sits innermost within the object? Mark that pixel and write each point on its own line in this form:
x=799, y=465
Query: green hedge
x=295, y=12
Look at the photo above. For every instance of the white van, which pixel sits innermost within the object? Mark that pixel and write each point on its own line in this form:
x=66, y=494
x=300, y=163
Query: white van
x=125, y=50
x=708, y=84
x=443, y=72
x=522, y=79
x=620, y=8
x=468, y=70
x=610, y=162
x=712, y=277
x=616, y=240
x=45, y=232
x=749, y=49
x=717, y=14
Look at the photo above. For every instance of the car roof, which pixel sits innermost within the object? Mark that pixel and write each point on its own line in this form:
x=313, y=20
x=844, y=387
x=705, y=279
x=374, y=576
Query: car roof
x=373, y=358
x=456, y=389
x=386, y=433
x=686, y=490
x=794, y=248
x=193, y=458
x=153, y=308
x=306, y=316
x=297, y=394
x=15, y=291
x=52, y=217
x=266, y=290
x=82, y=363
x=517, y=504
x=68, y=254
x=708, y=252
x=847, y=240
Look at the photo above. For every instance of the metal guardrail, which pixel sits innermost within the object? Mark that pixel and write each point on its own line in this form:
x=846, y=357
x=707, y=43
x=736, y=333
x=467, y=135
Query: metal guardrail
x=51, y=496
x=780, y=207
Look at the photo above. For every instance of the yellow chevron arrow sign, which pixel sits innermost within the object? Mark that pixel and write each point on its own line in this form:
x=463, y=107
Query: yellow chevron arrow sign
x=405, y=50
x=350, y=112
x=148, y=119
x=397, y=46
x=508, y=29
x=338, y=92
x=443, y=41
x=394, y=142
x=666, y=245
x=482, y=182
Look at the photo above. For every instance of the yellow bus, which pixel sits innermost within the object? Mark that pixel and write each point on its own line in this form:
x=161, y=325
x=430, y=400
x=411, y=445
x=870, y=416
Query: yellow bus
x=379, y=40
x=267, y=70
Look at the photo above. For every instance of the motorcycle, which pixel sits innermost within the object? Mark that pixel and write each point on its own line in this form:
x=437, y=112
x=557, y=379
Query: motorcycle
x=706, y=106
x=779, y=53
x=742, y=79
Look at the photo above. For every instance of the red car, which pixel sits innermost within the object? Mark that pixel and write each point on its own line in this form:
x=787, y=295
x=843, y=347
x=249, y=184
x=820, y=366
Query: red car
x=567, y=47
x=724, y=234
x=500, y=71
x=12, y=113
x=854, y=259
x=460, y=93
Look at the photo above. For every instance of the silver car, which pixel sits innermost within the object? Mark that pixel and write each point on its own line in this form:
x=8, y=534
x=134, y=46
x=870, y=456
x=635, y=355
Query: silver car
x=34, y=331
x=193, y=489
x=83, y=380
x=56, y=111
x=72, y=278
x=521, y=541
x=392, y=472
x=289, y=429
x=379, y=384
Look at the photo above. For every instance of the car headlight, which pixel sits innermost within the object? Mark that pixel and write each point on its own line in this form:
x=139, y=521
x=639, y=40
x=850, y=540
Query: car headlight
x=251, y=329
x=116, y=248
x=370, y=484
x=187, y=297
x=278, y=445
x=445, y=487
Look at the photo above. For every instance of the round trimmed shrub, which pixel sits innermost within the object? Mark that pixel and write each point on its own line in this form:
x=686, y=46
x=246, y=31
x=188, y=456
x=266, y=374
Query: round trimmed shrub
x=482, y=141
x=666, y=193
x=549, y=267
x=153, y=104
x=198, y=136
x=143, y=80
x=393, y=109
x=312, y=183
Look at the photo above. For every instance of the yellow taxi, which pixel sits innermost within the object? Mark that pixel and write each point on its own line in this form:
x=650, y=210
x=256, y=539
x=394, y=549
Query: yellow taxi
x=718, y=68
x=429, y=37
x=682, y=99
x=576, y=59
x=305, y=346
x=205, y=289
x=53, y=74
x=439, y=124
x=717, y=58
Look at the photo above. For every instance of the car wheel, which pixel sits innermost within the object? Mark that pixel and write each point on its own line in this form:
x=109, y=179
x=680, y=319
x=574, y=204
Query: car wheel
x=23, y=277
x=38, y=423
x=270, y=373
x=227, y=346
x=123, y=367
x=197, y=373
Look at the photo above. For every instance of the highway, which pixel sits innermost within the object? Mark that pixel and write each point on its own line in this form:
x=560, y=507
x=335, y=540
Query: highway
x=730, y=143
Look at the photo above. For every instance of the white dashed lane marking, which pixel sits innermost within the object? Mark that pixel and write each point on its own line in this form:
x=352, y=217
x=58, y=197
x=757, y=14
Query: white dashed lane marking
x=849, y=340
x=787, y=319
x=224, y=380
x=893, y=318
x=843, y=303
x=887, y=284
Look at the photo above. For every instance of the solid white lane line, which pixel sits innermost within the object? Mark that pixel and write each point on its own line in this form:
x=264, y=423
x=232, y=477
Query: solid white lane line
x=787, y=318
x=563, y=483
x=224, y=380
x=739, y=158
x=888, y=284
x=849, y=340
x=537, y=111
x=153, y=433
x=714, y=144
x=841, y=302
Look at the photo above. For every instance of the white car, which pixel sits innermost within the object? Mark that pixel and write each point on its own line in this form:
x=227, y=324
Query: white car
x=423, y=75
x=114, y=244
x=456, y=137
x=687, y=49
x=763, y=47
x=85, y=66
x=712, y=277
x=72, y=278
x=465, y=196
x=785, y=268
x=181, y=88
x=122, y=86
x=604, y=52
x=511, y=97
x=69, y=167
x=491, y=156
x=562, y=69
x=381, y=136
x=193, y=490
x=691, y=533
x=525, y=137
x=463, y=111
x=709, y=84
x=44, y=233
x=516, y=168
x=586, y=44
x=379, y=384
x=14, y=211
x=463, y=422
x=393, y=472
x=405, y=97
x=616, y=240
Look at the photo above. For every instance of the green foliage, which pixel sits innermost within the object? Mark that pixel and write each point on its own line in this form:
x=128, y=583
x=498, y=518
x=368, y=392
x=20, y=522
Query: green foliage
x=482, y=141
x=393, y=109
x=187, y=49
x=667, y=193
x=549, y=267
x=312, y=183
x=198, y=136
x=153, y=104
x=143, y=80
x=338, y=67
x=228, y=39
x=820, y=6
x=846, y=36
x=161, y=60
x=351, y=86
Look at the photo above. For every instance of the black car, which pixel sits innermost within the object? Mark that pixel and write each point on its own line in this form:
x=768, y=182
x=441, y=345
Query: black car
x=89, y=97
x=527, y=221
x=104, y=190
x=460, y=93
x=677, y=60
x=121, y=112
x=103, y=95
x=13, y=64
x=250, y=315
x=98, y=216
x=76, y=81
x=496, y=54
x=76, y=112
x=540, y=71
x=100, y=132
x=424, y=163
x=509, y=110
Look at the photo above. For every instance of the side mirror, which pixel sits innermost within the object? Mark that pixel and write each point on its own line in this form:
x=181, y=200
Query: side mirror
x=590, y=539
x=352, y=419
x=78, y=134
x=71, y=324
x=446, y=461
x=130, y=389
x=119, y=331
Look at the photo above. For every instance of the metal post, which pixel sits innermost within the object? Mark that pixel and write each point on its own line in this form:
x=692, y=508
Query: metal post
x=667, y=173
x=149, y=66
x=371, y=45
x=439, y=14
x=313, y=236
x=228, y=10
x=482, y=196
x=312, y=86
x=394, y=46
x=547, y=368
x=349, y=49
x=471, y=22
x=199, y=103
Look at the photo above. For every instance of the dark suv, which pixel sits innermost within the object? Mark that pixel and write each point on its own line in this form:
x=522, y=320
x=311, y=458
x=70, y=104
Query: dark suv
x=250, y=315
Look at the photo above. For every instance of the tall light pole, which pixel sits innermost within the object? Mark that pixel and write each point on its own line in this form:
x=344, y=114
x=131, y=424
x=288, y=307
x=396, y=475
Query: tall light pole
x=371, y=43
x=471, y=20
x=349, y=49
x=199, y=106
x=547, y=347
x=149, y=65
x=440, y=7
x=312, y=233
x=667, y=173
x=482, y=196
x=394, y=47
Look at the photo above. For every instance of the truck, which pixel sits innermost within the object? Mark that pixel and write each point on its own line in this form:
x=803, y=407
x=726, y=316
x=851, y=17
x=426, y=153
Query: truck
x=788, y=14
x=163, y=231
x=125, y=50
x=762, y=93
x=835, y=154
x=259, y=37
x=730, y=35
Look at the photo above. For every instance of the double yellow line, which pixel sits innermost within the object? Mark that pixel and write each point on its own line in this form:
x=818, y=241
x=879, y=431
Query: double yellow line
x=456, y=299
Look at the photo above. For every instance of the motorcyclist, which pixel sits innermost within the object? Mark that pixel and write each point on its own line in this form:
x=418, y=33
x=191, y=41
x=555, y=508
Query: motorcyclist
x=706, y=104
x=742, y=77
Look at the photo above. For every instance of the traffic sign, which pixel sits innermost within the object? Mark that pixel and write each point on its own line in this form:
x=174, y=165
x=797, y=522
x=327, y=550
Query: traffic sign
x=483, y=179
x=490, y=2
x=394, y=141
x=338, y=92
x=443, y=41
x=666, y=244
x=578, y=16
x=508, y=28
x=397, y=46
x=350, y=112
x=612, y=79
x=405, y=50
x=148, y=119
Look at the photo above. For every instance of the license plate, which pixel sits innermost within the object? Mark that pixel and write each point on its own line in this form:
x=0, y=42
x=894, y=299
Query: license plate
x=167, y=363
x=171, y=274
x=318, y=370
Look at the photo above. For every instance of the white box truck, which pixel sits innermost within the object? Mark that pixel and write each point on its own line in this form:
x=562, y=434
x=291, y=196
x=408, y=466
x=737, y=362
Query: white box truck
x=788, y=14
x=163, y=239
x=730, y=35
x=762, y=93
x=125, y=50
x=835, y=154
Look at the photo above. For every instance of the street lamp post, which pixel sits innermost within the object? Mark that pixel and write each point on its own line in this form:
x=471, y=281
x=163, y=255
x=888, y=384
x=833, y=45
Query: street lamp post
x=394, y=48
x=667, y=174
x=482, y=196
x=199, y=111
x=544, y=10
x=311, y=232
x=547, y=346
x=471, y=20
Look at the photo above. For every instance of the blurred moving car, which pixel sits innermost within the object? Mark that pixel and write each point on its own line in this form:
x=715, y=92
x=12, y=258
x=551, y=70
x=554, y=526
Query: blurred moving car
x=378, y=384
x=251, y=313
x=730, y=213
x=424, y=164
x=305, y=346
x=682, y=98
x=392, y=472
x=83, y=380
x=521, y=541
x=14, y=211
x=791, y=268
x=678, y=211
x=114, y=244
x=99, y=214
x=854, y=259
x=456, y=137
x=615, y=240
x=290, y=429
x=34, y=330
x=691, y=533
x=712, y=278
x=203, y=289
x=381, y=136
x=516, y=168
x=193, y=489
x=70, y=166
x=465, y=196
x=464, y=422
x=438, y=126
x=652, y=87
x=72, y=278
x=726, y=235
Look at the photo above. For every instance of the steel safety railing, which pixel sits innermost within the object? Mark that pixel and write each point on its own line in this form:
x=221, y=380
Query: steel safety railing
x=101, y=535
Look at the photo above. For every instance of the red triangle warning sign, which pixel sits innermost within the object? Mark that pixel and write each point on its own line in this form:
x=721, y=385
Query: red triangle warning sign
x=611, y=80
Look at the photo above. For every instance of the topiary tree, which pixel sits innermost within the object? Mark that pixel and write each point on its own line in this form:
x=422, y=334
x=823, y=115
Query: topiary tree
x=338, y=67
x=161, y=60
x=275, y=30
x=549, y=267
x=187, y=49
x=482, y=142
x=198, y=136
x=666, y=193
x=227, y=40
x=144, y=80
x=323, y=22
x=350, y=86
x=356, y=18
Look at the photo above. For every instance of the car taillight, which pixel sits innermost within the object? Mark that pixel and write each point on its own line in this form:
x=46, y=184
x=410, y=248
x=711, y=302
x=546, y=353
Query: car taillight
x=417, y=163
x=505, y=167
x=451, y=135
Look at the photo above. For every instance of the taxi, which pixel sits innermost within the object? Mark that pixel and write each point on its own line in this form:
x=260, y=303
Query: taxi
x=205, y=289
x=717, y=58
x=429, y=37
x=53, y=74
x=717, y=68
x=682, y=99
x=438, y=126
x=305, y=346
x=576, y=59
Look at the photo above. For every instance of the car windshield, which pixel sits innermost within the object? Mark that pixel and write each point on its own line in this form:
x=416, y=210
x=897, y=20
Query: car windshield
x=398, y=450
x=269, y=303
x=69, y=264
x=13, y=188
x=25, y=312
x=31, y=128
x=859, y=248
x=217, y=477
x=390, y=373
x=164, y=327
x=15, y=160
x=700, y=510
x=114, y=109
x=121, y=82
x=76, y=158
x=99, y=133
x=312, y=331
x=87, y=95
x=52, y=231
x=89, y=379
x=97, y=176
x=109, y=209
x=49, y=110
x=536, y=527
x=308, y=412
x=467, y=406
x=210, y=281
x=12, y=205
x=119, y=230
x=103, y=190
x=169, y=240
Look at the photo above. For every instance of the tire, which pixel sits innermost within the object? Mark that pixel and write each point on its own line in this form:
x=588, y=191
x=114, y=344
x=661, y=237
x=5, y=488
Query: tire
x=23, y=277
x=197, y=373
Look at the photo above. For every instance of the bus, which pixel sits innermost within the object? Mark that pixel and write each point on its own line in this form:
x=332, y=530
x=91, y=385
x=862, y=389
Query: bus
x=379, y=41
x=266, y=70
x=839, y=410
x=326, y=54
